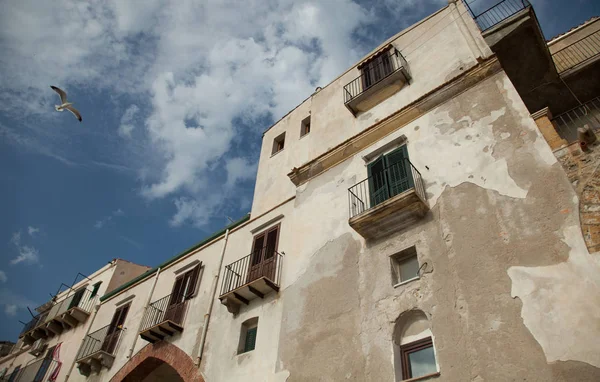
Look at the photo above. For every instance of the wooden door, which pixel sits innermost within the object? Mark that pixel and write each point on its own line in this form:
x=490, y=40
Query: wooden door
x=43, y=370
x=114, y=330
x=256, y=258
x=399, y=171
x=76, y=298
x=174, y=310
x=270, y=254
x=378, y=186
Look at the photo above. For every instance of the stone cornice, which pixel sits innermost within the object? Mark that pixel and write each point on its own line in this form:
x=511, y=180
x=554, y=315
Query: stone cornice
x=395, y=121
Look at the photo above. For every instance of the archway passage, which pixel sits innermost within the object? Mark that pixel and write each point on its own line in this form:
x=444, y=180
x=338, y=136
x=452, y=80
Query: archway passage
x=161, y=361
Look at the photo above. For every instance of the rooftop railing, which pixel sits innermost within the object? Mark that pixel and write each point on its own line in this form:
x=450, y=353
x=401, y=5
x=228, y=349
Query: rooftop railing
x=498, y=13
x=384, y=185
x=371, y=74
x=105, y=339
x=568, y=122
x=265, y=262
x=168, y=308
x=577, y=53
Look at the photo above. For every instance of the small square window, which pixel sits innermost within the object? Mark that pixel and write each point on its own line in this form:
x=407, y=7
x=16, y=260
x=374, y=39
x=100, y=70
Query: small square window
x=405, y=266
x=248, y=335
x=305, y=127
x=278, y=143
x=418, y=359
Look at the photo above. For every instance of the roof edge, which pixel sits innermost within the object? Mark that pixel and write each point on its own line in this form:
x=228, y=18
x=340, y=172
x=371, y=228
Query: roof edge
x=144, y=275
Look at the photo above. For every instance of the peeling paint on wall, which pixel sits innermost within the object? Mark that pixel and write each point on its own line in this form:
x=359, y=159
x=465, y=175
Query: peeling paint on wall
x=561, y=302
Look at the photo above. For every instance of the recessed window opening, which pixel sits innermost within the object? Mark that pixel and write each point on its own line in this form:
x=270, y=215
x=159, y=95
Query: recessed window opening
x=278, y=143
x=414, y=352
x=405, y=266
x=305, y=126
x=248, y=335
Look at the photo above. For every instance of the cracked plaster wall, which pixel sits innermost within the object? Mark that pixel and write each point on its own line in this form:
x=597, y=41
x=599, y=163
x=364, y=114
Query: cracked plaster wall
x=503, y=228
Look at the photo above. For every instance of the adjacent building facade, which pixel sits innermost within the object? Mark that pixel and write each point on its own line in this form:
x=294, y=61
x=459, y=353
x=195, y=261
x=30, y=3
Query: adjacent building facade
x=431, y=214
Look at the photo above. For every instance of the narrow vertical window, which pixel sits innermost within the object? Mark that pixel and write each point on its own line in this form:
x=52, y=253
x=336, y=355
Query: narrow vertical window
x=305, y=126
x=278, y=143
x=248, y=334
x=95, y=289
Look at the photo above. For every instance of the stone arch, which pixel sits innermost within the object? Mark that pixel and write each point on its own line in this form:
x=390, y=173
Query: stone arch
x=151, y=357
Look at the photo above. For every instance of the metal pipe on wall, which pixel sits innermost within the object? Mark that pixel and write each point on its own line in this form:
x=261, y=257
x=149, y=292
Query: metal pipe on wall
x=212, y=295
x=148, y=300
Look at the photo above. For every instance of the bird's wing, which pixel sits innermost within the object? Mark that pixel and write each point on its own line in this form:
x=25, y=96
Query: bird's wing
x=61, y=93
x=74, y=111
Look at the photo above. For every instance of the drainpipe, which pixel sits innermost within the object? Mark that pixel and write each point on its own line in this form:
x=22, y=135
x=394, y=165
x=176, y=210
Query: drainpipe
x=212, y=295
x=143, y=314
x=96, y=309
x=465, y=31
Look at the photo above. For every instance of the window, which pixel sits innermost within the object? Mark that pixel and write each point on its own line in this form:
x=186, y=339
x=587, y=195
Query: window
x=114, y=330
x=278, y=143
x=305, y=126
x=414, y=352
x=184, y=288
x=95, y=288
x=389, y=175
x=405, y=266
x=264, y=251
x=418, y=359
x=377, y=68
x=248, y=335
x=13, y=375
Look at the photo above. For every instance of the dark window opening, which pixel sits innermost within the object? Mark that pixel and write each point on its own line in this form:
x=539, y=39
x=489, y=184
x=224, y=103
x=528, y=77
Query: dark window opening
x=95, y=289
x=305, y=127
x=278, y=143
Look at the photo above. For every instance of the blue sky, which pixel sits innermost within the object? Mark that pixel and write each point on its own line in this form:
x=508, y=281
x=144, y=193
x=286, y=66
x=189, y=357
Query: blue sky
x=174, y=98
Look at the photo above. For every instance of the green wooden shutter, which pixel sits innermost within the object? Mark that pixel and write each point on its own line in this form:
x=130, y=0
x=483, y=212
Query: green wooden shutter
x=378, y=186
x=399, y=172
x=77, y=298
x=95, y=290
x=250, y=342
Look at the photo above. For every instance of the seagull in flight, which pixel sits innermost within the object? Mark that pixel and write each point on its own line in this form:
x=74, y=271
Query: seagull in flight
x=64, y=104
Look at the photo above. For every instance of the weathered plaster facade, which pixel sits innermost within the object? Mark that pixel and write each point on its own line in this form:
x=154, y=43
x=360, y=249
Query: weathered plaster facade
x=506, y=288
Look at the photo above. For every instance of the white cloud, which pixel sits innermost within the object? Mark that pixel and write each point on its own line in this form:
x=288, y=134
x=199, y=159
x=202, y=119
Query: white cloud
x=105, y=220
x=10, y=310
x=3, y=277
x=26, y=254
x=189, y=71
x=127, y=121
x=32, y=230
x=13, y=302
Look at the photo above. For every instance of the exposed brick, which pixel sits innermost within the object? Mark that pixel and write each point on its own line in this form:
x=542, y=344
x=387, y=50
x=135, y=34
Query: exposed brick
x=590, y=218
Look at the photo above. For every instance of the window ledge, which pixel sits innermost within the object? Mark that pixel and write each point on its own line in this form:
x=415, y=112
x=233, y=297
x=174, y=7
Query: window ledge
x=423, y=377
x=275, y=153
x=406, y=282
x=302, y=136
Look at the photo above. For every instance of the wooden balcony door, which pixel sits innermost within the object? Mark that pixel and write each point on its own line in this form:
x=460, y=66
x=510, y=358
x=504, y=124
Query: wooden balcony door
x=116, y=326
x=183, y=289
x=264, y=251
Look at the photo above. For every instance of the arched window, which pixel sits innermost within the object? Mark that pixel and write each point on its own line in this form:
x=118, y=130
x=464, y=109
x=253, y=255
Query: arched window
x=248, y=335
x=414, y=353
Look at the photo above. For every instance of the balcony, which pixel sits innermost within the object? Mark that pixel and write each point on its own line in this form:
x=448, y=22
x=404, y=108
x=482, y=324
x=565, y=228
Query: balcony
x=384, y=75
x=62, y=315
x=163, y=318
x=579, y=53
x=38, y=371
x=253, y=276
x=98, y=349
x=568, y=122
x=388, y=201
x=496, y=14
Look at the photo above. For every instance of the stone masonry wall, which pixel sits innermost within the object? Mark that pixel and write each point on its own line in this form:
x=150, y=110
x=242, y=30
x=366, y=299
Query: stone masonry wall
x=583, y=170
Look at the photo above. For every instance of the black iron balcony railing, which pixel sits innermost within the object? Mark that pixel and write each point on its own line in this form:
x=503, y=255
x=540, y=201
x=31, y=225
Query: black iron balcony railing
x=105, y=340
x=577, y=53
x=568, y=122
x=169, y=308
x=265, y=262
x=82, y=299
x=498, y=13
x=38, y=371
x=378, y=188
x=375, y=72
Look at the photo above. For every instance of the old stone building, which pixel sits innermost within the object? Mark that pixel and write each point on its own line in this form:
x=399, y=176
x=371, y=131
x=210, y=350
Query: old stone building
x=431, y=214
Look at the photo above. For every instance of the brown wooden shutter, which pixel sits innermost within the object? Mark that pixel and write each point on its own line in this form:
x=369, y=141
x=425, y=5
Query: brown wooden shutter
x=193, y=275
x=177, y=292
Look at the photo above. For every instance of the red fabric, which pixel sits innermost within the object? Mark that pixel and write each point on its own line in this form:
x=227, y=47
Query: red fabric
x=56, y=357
